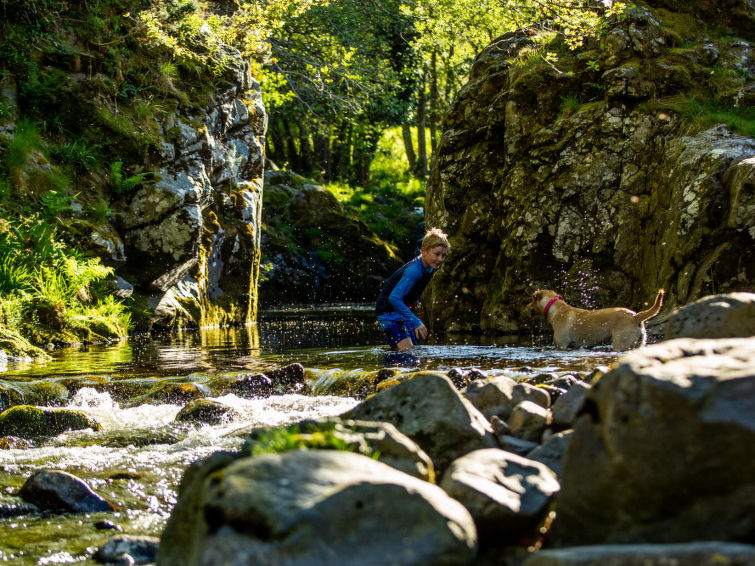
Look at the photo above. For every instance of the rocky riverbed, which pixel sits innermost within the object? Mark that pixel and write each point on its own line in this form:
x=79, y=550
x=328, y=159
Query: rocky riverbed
x=644, y=461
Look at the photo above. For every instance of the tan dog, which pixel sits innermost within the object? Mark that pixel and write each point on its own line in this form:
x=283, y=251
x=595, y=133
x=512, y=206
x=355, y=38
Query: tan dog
x=576, y=328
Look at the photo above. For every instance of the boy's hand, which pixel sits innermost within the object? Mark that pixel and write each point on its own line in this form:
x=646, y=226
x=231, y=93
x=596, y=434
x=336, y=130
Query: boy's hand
x=421, y=331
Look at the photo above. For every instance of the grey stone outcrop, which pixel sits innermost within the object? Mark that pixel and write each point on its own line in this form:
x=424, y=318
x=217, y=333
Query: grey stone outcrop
x=716, y=316
x=690, y=554
x=128, y=549
x=551, y=452
x=605, y=200
x=507, y=495
x=314, y=507
x=497, y=396
x=662, y=451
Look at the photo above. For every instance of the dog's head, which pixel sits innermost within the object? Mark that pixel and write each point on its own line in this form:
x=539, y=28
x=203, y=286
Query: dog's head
x=540, y=299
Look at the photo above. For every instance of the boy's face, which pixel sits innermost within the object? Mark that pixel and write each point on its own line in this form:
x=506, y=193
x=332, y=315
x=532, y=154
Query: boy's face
x=434, y=257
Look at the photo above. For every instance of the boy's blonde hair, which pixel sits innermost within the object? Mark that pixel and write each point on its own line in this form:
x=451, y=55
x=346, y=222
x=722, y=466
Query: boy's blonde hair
x=435, y=237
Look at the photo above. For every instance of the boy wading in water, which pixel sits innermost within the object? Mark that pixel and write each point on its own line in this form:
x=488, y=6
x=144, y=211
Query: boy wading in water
x=402, y=327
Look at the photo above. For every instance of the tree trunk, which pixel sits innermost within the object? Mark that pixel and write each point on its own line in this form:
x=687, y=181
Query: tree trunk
x=292, y=155
x=322, y=153
x=341, y=153
x=276, y=147
x=406, y=132
x=305, y=148
x=364, y=153
x=421, y=169
x=434, y=101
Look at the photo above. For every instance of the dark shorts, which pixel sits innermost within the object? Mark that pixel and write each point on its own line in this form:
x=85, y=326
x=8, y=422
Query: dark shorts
x=396, y=331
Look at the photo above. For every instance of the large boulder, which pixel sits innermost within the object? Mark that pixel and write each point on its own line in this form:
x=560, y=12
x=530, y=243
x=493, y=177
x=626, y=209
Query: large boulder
x=588, y=177
x=717, y=316
x=507, y=495
x=662, y=451
x=690, y=554
x=497, y=396
x=429, y=410
x=315, y=507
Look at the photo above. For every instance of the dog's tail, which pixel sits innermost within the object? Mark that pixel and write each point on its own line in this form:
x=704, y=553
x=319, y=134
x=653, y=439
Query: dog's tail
x=642, y=316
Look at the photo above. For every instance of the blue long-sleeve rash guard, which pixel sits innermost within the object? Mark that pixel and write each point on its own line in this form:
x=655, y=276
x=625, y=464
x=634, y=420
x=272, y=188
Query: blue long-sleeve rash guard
x=414, y=278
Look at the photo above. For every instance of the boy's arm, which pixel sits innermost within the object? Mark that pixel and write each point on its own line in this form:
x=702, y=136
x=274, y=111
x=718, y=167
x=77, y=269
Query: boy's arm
x=396, y=298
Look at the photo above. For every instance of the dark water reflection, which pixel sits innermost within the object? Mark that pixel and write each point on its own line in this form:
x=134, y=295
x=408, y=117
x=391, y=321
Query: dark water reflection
x=344, y=336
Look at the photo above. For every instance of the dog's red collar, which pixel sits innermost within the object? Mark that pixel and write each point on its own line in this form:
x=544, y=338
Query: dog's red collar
x=553, y=300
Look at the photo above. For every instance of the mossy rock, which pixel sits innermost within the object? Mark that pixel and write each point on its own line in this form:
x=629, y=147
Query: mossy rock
x=168, y=393
x=206, y=411
x=9, y=397
x=45, y=392
x=15, y=345
x=26, y=421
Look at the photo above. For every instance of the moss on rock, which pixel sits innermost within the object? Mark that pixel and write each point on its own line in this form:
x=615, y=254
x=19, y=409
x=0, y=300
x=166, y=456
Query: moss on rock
x=26, y=421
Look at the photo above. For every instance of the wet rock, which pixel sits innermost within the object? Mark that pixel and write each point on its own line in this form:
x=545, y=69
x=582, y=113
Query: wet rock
x=172, y=393
x=11, y=442
x=30, y=422
x=497, y=396
x=313, y=507
x=690, y=554
x=663, y=449
x=458, y=377
x=551, y=452
x=718, y=316
x=128, y=549
x=430, y=411
x=335, y=381
x=507, y=495
x=16, y=509
x=251, y=386
x=567, y=406
x=62, y=493
x=10, y=396
x=107, y=526
x=528, y=420
x=206, y=411
x=595, y=374
x=290, y=377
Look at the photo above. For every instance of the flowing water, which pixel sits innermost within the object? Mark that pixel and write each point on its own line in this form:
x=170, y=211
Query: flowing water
x=137, y=459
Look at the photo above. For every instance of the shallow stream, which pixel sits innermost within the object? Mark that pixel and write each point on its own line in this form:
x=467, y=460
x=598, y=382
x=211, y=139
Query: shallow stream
x=137, y=460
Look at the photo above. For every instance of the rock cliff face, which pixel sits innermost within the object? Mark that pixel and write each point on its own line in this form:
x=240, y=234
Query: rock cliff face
x=190, y=242
x=589, y=176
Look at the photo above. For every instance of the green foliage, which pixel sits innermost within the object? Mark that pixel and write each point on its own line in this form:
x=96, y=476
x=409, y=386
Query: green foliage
x=26, y=138
x=738, y=119
x=5, y=190
x=569, y=103
x=53, y=203
x=390, y=204
x=120, y=183
x=314, y=436
x=77, y=153
x=39, y=271
x=100, y=210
